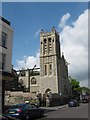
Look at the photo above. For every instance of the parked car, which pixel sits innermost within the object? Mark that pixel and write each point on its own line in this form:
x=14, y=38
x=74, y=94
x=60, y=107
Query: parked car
x=25, y=111
x=73, y=103
x=85, y=99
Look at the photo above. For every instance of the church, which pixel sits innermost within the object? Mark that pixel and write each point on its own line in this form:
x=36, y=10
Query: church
x=52, y=77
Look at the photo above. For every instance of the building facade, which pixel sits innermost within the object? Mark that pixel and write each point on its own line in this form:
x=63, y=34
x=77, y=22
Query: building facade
x=6, y=36
x=53, y=77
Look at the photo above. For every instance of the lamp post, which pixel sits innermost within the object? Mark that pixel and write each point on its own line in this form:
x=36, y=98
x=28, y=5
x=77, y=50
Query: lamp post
x=33, y=69
x=29, y=76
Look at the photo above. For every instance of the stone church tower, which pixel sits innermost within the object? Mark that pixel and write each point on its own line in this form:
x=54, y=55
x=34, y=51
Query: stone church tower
x=53, y=74
x=53, y=68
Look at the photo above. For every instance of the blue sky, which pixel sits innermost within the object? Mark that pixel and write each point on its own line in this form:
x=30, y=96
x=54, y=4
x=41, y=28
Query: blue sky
x=27, y=19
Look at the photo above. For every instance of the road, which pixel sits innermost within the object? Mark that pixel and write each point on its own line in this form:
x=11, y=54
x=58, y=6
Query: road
x=72, y=112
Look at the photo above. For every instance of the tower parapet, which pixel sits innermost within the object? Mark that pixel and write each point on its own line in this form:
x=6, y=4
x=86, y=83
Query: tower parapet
x=46, y=33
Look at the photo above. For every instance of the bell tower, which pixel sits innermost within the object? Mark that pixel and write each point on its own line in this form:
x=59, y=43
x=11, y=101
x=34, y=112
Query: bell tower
x=49, y=53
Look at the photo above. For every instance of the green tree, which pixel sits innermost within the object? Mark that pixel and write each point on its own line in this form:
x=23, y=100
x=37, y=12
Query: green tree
x=75, y=84
x=86, y=90
x=76, y=89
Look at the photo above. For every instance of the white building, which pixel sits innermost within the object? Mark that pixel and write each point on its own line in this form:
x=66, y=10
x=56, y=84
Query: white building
x=6, y=36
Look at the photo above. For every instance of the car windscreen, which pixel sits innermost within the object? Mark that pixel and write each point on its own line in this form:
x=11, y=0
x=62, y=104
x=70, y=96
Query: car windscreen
x=74, y=100
x=19, y=106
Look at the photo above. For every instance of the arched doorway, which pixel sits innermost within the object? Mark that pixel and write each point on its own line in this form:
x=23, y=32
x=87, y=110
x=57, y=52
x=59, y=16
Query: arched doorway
x=47, y=90
x=47, y=96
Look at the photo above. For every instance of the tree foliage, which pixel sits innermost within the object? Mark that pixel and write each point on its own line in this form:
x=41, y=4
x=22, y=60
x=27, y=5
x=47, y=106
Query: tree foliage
x=86, y=90
x=76, y=89
x=75, y=84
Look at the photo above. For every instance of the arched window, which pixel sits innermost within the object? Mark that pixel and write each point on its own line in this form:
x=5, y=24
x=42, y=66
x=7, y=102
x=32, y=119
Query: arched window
x=47, y=90
x=45, y=40
x=41, y=48
x=50, y=45
x=49, y=40
x=50, y=69
x=33, y=81
x=45, y=69
x=45, y=46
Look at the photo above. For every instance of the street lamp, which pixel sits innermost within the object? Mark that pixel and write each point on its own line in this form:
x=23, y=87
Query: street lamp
x=29, y=76
x=34, y=66
x=33, y=69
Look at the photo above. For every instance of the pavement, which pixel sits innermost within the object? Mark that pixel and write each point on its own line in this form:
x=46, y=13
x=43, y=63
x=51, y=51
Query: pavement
x=49, y=109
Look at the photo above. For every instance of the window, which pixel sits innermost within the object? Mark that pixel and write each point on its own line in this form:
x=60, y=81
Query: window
x=33, y=81
x=4, y=38
x=53, y=39
x=50, y=45
x=2, y=61
x=28, y=106
x=45, y=69
x=45, y=46
x=50, y=69
x=41, y=48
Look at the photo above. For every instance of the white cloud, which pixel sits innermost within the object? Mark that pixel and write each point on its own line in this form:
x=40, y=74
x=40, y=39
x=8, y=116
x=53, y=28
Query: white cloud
x=74, y=40
x=63, y=20
x=28, y=61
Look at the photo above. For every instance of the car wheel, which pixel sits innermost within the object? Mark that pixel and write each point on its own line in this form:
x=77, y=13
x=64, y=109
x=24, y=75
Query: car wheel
x=27, y=117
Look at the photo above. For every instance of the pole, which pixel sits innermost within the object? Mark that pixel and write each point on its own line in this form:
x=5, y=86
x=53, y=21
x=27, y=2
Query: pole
x=29, y=77
x=29, y=80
